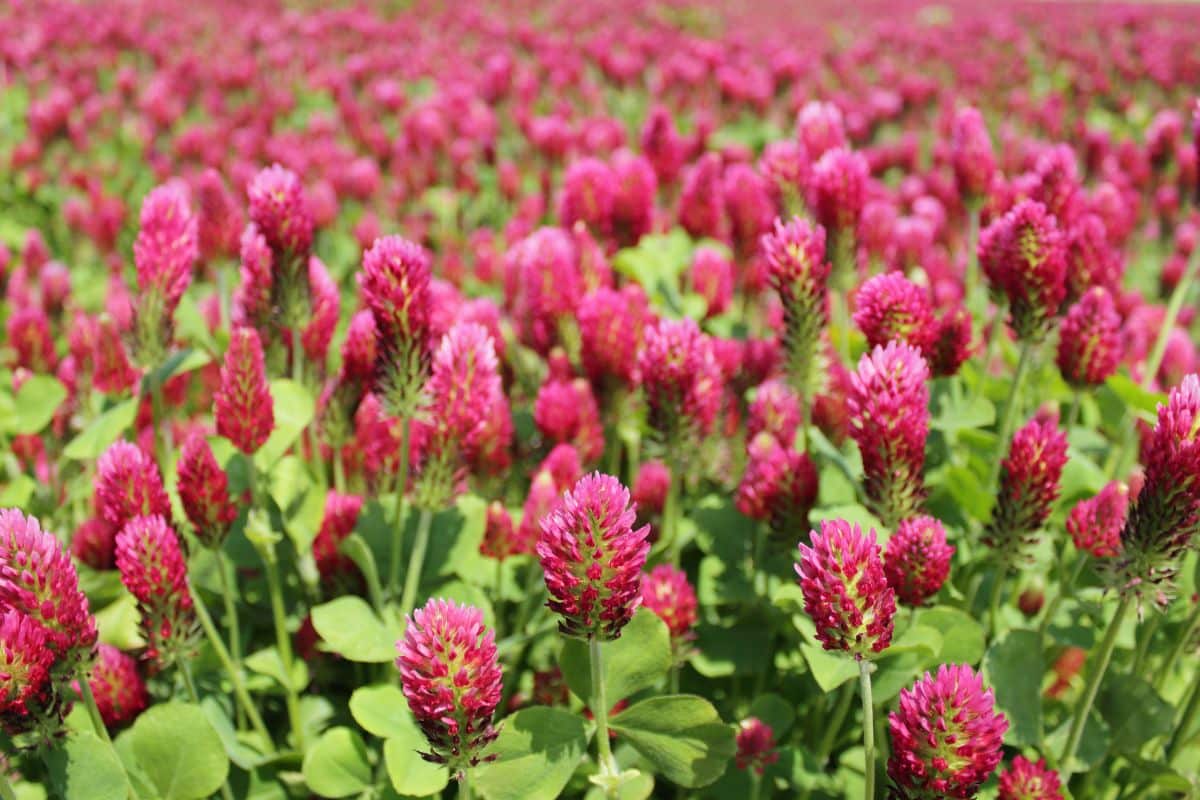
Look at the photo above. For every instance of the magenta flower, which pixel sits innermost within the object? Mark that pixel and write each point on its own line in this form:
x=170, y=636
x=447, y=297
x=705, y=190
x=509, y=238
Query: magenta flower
x=1089, y=340
x=242, y=404
x=666, y=592
x=1095, y=524
x=775, y=409
x=798, y=270
x=1023, y=256
x=38, y=580
x=837, y=188
x=680, y=378
x=651, y=486
x=946, y=736
x=118, y=687
x=1092, y=261
x=280, y=211
x=779, y=485
x=611, y=326
x=337, y=523
x=711, y=275
x=701, y=199
x=593, y=558
x=253, y=302
x=154, y=571
x=1025, y=780
x=633, y=201
x=845, y=591
x=395, y=281
x=755, y=745
x=128, y=485
x=94, y=542
x=890, y=307
x=30, y=340
x=26, y=660
x=1163, y=521
x=588, y=195
x=917, y=559
x=452, y=681
x=1029, y=485
x=971, y=155
x=204, y=492
x=557, y=473
x=499, y=535
x=565, y=410
x=750, y=207
x=889, y=419
x=952, y=346
x=820, y=128
x=220, y=219
x=544, y=285
x=164, y=252
x=326, y=305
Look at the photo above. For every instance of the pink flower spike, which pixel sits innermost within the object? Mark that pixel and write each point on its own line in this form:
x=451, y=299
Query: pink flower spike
x=280, y=211
x=154, y=571
x=128, y=485
x=666, y=592
x=755, y=745
x=26, y=660
x=452, y=681
x=1089, y=340
x=1029, y=485
x=166, y=248
x=1095, y=524
x=917, y=559
x=118, y=687
x=204, y=492
x=242, y=405
x=593, y=558
x=1026, y=780
x=890, y=307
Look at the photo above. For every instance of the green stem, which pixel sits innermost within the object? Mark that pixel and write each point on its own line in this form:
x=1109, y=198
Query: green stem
x=1062, y=594
x=189, y=684
x=1143, y=645
x=671, y=515
x=160, y=427
x=989, y=352
x=416, y=563
x=833, y=725
x=1180, y=736
x=235, y=676
x=1093, y=685
x=1008, y=421
x=756, y=781
x=89, y=700
x=608, y=765
x=1154, y=361
x=757, y=567
x=464, y=785
x=868, y=707
x=231, y=615
x=1073, y=414
x=339, y=471
x=398, y=521
x=994, y=598
x=6, y=790
x=283, y=643
x=1189, y=633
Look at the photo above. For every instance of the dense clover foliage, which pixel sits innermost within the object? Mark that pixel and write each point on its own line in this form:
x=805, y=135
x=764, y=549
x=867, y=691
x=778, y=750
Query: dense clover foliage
x=520, y=399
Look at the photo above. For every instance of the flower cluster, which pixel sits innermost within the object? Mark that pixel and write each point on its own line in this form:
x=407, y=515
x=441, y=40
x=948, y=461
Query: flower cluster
x=917, y=559
x=154, y=571
x=1030, y=477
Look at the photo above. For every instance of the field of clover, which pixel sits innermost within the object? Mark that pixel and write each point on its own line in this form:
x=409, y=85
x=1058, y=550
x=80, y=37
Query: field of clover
x=521, y=399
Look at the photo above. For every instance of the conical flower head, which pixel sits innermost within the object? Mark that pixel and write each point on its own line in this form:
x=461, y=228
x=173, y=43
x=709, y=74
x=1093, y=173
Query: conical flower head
x=837, y=188
x=794, y=253
x=395, y=282
x=680, y=379
x=775, y=409
x=38, y=580
x=1023, y=256
x=29, y=337
x=337, y=523
x=820, y=128
x=499, y=534
x=845, y=591
x=118, y=687
x=242, y=405
x=204, y=492
x=890, y=307
x=452, y=681
x=612, y=323
x=1089, y=340
x=1030, y=479
x=1166, y=515
x=166, y=247
x=593, y=558
x=280, y=211
x=128, y=485
x=26, y=661
x=971, y=154
x=889, y=419
x=633, y=201
x=588, y=195
x=755, y=745
x=917, y=559
x=946, y=736
x=702, y=201
x=779, y=486
x=666, y=592
x=560, y=470
x=1026, y=780
x=253, y=298
x=952, y=345
x=154, y=571
x=1095, y=524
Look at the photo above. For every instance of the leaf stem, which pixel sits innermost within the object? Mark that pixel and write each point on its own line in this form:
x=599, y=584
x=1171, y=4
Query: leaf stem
x=1180, y=735
x=1008, y=421
x=89, y=700
x=464, y=785
x=1093, y=685
x=671, y=514
x=608, y=765
x=1062, y=594
x=416, y=563
x=284, y=644
x=834, y=724
x=864, y=682
x=6, y=790
x=231, y=620
x=398, y=520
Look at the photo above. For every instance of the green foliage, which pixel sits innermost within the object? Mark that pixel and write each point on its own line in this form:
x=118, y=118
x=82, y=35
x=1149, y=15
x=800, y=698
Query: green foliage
x=536, y=754
x=637, y=660
x=682, y=736
x=178, y=751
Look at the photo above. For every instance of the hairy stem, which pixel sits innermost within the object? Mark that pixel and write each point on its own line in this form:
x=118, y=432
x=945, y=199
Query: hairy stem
x=1009, y=420
x=608, y=765
x=864, y=682
x=416, y=563
x=1099, y=666
x=398, y=520
x=283, y=643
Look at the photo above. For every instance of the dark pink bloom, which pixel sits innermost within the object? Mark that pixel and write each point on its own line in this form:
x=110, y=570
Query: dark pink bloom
x=462, y=385
x=556, y=474
x=112, y=372
x=395, y=281
x=280, y=211
x=38, y=580
x=26, y=660
x=952, y=346
x=1091, y=259
x=253, y=302
x=360, y=349
x=118, y=687
x=566, y=411
x=837, y=188
x=452, y=681
x=1026, y=780
x=611, y=326
x=666, y=592
x=1164, y=518
x=680, y=378
x=30, y=340
x=543, y=284
x=890, y=307
x=971, y=154
x=750, y=206
x=1089, y=340
x=701, y=200
x=204, y=492
x=1024, y=258
x=662, y=144
x=499, y=535
x=755, y=745
x=588, y=195
x=94, y=543
x=154, y=571
x=946, y=736
x=242, y=405
x=1095, y=524
x=799, y=271
x=633, y=201
x=845, y=591
x=651, y=486
x=593, y=558
x=326, y=305
x=775, y=409
x=164, y=252
x=917, y=559
x=889, y=419
x=820, y=128
x=220, y=219
x=779, y=485
x=711, y=275
x=1029, y=484
x=337, y=523
x=128, y=485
